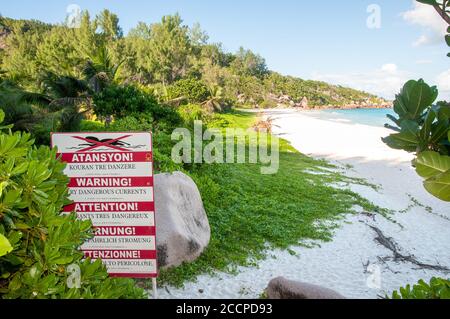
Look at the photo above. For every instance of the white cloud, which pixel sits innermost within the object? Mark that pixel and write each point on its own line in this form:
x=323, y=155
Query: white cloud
x=389, y=68
x=422, y=40
x=385, y=81
x=426, y=16
x=443, y=82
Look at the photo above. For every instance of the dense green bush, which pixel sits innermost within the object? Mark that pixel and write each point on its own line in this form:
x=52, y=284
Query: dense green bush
x=219, y=121
x=33, y=190
x=91, y=126
x=143, y=123
x=195, y=91
x=438, y=288
x=424, y=129
x=162, y=153
x=193, y=112
x=123, y=101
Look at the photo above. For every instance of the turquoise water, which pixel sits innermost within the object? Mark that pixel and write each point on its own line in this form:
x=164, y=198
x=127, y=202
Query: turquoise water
x=372, y=117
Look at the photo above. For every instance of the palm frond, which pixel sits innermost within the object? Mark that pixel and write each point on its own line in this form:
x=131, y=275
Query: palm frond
x=73, y=102
x=63, y=86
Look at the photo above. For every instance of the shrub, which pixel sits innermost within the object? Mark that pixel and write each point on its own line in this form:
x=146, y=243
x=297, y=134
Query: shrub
x=193, y=112
x=33, y=190
x=424, y=129
x=123, y=101
x=438, y=288
x=219, y=121
x=195, y=91
x=91, y=126
x=120, y=101
x=162, y=153
x=268, y=104
x=142, y=123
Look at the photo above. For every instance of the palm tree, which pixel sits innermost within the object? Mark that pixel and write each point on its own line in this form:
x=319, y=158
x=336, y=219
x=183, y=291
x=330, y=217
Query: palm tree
x=70, y=100
x=215, y=101
x=21, y=108
x=100, y=70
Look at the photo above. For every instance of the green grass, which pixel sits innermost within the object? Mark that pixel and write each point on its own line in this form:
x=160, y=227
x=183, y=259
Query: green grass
x=250, y=213
x=235, y=119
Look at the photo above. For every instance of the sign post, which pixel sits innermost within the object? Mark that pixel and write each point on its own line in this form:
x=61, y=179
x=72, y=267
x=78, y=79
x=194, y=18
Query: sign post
x=111, y=183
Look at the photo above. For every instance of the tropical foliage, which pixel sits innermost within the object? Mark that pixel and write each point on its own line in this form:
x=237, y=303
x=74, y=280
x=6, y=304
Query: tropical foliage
x=5, y=246
x=38, y=245
x=169, y=59
x=423, y=127
x=191, y=90
x=437, y=289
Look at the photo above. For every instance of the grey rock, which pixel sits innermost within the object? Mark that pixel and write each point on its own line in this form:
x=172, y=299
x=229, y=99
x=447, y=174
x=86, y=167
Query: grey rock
x=304, y=103
x=282, y=288
x=182, y=227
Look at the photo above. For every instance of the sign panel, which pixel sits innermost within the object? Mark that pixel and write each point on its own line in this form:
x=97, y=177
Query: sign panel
x=111, y=183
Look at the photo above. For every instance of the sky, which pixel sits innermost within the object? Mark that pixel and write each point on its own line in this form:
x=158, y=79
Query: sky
x=374, y=45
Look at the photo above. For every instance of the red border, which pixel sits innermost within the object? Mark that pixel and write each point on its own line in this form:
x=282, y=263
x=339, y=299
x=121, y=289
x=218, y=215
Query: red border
x=69, y=209
x=154, y=217
x=67, y=133
x=129, y=275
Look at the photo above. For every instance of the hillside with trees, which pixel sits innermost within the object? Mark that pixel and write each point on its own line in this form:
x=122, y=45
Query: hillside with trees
x=53, y=73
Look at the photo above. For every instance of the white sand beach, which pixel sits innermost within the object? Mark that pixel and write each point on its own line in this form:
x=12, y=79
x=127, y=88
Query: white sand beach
x=354, y=263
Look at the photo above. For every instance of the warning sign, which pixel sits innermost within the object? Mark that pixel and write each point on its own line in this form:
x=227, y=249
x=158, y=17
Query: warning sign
x=111, y=183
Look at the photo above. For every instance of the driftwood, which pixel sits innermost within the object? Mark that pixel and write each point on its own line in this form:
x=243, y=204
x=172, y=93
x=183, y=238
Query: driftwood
x=391, y=245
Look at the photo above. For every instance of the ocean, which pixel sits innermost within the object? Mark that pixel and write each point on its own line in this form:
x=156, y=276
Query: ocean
x=372, y=117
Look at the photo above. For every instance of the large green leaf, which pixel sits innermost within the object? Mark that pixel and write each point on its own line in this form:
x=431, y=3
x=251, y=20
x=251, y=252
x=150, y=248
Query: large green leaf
x=439, y=186
x=5, y=246
x=439, y=131
x=442, y=111
x=394, y=119
x=407, y=139
x=426, y=128
x=409, y=127
x=400, y=107
x=402, y=141
x=414, y=98
x=429, y=164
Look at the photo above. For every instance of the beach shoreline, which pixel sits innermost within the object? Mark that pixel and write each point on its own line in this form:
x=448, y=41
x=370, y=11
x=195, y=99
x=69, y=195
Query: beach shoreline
x=355, y=263
x=319, y=108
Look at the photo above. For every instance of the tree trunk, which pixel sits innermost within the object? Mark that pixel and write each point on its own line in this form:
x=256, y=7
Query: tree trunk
x=442, y=13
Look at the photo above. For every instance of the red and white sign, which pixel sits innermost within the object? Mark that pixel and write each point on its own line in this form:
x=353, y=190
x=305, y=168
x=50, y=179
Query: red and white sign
x=111, y=183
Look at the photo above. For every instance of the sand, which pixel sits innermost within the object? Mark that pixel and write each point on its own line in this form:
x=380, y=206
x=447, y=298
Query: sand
x=355, y=264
